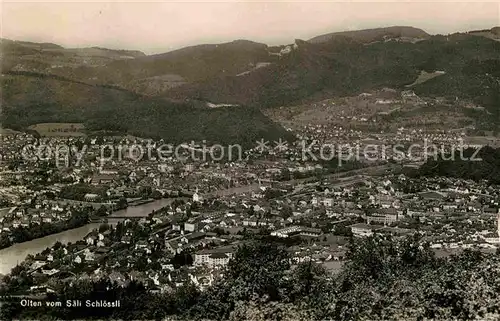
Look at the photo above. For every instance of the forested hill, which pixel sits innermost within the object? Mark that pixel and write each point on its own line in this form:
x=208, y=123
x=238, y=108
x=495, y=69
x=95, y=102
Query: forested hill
x=343, y=66
x=249, y=73
x=485, y=164
x=376, y=34
x=29, y=98
x=160, y=95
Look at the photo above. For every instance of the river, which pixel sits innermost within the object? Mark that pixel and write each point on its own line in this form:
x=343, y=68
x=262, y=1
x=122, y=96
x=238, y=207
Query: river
x=11, y=256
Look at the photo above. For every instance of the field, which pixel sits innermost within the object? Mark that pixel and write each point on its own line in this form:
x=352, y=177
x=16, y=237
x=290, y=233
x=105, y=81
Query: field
x=483, y=140
x=7, y=131
x=424, y=76
x=59, y=129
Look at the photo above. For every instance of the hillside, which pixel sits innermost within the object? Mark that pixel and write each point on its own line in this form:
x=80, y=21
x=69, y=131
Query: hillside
x=343, y=67
x=309, y=70
x=30, y=98
x=134, y=70
x=378, y=34
x=485, y=165
x=204, y=61
x=246, y=73
x=493, y=33
x=55, y=59
x=191, y=64
x=25, y=47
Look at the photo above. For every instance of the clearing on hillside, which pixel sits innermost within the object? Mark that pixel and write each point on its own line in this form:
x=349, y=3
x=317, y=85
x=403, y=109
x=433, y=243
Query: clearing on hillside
x=59, y=129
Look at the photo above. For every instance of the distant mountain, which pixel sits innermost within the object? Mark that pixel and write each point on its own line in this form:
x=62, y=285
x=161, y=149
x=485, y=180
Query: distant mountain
x=95, y=81
x=202, y=62
x=23, y=55
x=11, y=44
x=493, y=33
x=30, y=98
x=186, y=65
x=135, y=71
x=379, y=34
x=47, y=58
x=342, y=67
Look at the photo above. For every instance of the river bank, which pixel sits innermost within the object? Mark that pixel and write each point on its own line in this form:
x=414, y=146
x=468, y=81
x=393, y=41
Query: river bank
x=33, y=232
x=12, y=255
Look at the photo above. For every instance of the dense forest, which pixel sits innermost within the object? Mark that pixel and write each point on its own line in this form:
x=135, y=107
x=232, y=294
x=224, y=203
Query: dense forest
x=343, y=67
x=383, y=279
x=30, y=98
x=482, y=164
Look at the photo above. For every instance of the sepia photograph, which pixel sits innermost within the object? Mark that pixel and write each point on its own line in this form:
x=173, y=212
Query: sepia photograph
x=250, y=160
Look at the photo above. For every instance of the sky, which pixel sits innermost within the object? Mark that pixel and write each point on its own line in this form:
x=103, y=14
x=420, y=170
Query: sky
x=155, y=27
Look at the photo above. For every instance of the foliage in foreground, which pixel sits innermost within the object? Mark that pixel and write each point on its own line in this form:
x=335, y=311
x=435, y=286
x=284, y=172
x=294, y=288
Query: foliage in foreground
x=384, y=279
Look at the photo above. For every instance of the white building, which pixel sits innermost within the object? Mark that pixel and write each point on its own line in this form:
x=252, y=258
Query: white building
x=213, y=258
x=362, y=229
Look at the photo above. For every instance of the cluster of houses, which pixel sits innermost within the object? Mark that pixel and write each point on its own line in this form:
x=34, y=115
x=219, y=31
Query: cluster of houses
x=38, y=213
